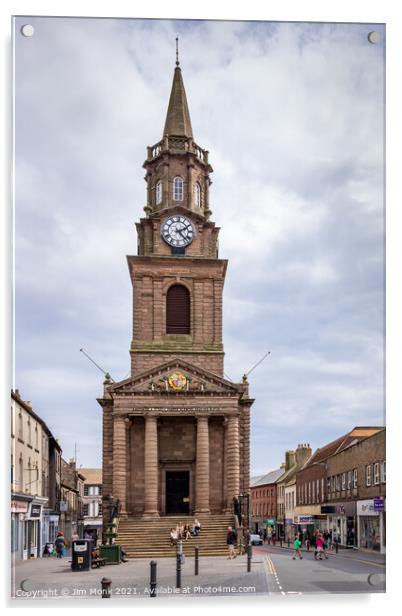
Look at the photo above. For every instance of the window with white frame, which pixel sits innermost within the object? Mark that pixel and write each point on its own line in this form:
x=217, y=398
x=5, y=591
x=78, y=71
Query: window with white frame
x=178, y=189
x=29, y=432
x=355, y=478
x=376, y=473
x=349, y=480
x=368, y=475
x=343, y=481
x=86, y=509
x=197, y=194
x=313, y=491
x=36, y=437
x=322, y=488
x=309, y=492
x=329, y=484
x=338, y=483
x=318, y=490
x=383, y=469
x=20, y=427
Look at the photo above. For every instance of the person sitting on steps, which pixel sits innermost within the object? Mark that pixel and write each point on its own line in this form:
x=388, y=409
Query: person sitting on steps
x=196, y=528
x=186, y=532
x=173, y=536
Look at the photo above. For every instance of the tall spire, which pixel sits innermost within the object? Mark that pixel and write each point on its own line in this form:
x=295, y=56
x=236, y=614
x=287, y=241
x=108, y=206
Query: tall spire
x=178, y=121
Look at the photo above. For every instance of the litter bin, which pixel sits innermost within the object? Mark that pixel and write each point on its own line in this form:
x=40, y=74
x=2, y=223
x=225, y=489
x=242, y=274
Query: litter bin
x=81, y=555
x=112, y=553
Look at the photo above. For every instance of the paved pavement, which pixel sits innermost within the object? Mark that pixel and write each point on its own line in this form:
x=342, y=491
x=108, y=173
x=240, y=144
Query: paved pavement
x=273, y=572
x=52, y=578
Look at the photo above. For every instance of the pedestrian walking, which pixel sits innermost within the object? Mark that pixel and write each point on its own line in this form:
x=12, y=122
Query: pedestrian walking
x=59, y=544
x=231, y=541
x=319, y=542
x=296, y=548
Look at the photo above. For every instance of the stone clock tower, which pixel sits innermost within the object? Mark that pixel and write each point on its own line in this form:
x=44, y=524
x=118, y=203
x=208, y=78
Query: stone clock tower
x=176, y=433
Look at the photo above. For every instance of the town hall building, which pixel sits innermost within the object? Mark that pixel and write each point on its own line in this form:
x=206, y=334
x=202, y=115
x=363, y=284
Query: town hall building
x=176, y=434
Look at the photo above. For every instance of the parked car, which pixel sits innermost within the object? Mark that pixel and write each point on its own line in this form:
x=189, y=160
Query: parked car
x=255, y=539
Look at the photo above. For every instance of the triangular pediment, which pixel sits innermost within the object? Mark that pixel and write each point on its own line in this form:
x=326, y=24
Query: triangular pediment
x=176, y=376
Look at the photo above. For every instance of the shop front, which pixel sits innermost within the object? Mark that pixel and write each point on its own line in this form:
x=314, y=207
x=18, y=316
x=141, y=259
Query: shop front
x=341, y=522
x=289, y=529
x=32, y=544
x=371, y=524
x=19, y=509
x=308, y=525
x=50, y=526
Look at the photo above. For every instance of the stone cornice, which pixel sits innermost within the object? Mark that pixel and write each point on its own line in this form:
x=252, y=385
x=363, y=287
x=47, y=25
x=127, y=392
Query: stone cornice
x=177, y=412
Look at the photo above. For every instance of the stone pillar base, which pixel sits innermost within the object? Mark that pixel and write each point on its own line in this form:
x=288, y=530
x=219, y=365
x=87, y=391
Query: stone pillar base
x=150, y=515
x=201, y=510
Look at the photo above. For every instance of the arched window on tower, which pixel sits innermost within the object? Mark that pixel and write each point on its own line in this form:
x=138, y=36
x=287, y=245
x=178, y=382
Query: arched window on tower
x=178, y=189
x=177, y=310
x=158, y=192
x=197, y=194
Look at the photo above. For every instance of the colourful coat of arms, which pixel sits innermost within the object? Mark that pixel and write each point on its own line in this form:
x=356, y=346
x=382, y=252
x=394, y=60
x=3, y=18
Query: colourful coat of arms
x=177, y=380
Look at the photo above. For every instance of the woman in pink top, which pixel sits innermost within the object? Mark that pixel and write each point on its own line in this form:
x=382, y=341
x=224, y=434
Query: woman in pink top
x=319, y=542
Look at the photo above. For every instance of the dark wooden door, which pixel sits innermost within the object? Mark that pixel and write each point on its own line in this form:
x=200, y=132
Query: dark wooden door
x=177, y=492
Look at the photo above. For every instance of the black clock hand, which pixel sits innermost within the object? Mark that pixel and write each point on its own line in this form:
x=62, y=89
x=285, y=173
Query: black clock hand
x=180, y=231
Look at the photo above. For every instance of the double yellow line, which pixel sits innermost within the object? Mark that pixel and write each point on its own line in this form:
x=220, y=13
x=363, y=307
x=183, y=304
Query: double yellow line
x=270, y=565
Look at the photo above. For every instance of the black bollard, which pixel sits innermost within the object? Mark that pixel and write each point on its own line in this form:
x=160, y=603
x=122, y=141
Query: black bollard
x=106, y=584
x=336, y=547
x=280, y=540
x=152, y=581
x=178, y=570
x=196, y=559
x=249, y=557
x=288, y=542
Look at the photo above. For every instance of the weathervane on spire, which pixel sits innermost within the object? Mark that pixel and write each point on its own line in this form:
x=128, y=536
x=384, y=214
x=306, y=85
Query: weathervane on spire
x=177, y=51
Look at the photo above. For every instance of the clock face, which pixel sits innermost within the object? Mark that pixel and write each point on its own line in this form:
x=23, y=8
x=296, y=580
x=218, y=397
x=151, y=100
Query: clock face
x=178, y=231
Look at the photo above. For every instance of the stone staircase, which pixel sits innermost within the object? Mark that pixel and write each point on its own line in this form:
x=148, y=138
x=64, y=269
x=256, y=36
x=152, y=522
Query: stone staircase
x=151, y=538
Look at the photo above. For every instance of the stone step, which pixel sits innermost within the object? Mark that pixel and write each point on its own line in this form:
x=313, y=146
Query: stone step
x=150, y=538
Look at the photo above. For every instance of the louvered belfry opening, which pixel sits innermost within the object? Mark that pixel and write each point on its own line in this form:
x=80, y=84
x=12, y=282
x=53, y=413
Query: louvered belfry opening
x=178, y=310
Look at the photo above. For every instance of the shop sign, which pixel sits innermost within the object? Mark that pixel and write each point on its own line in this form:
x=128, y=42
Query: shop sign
x=288, y=521
x=366, y=507
x=327, y=509
x=304, y=519
x=379, y=503
x=270, y=522
x=340, y=509
x=35, y=511
x=19, y=506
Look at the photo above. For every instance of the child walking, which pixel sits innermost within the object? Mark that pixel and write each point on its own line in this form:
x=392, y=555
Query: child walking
x=296, y=548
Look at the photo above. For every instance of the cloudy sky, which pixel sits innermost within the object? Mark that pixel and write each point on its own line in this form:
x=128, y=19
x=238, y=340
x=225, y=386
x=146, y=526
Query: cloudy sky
x=292, y=114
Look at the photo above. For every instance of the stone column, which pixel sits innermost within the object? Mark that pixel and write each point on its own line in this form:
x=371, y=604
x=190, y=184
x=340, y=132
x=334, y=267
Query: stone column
x=151, y=467
x=119, y=461
x=202, y=466
x=233, y=459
